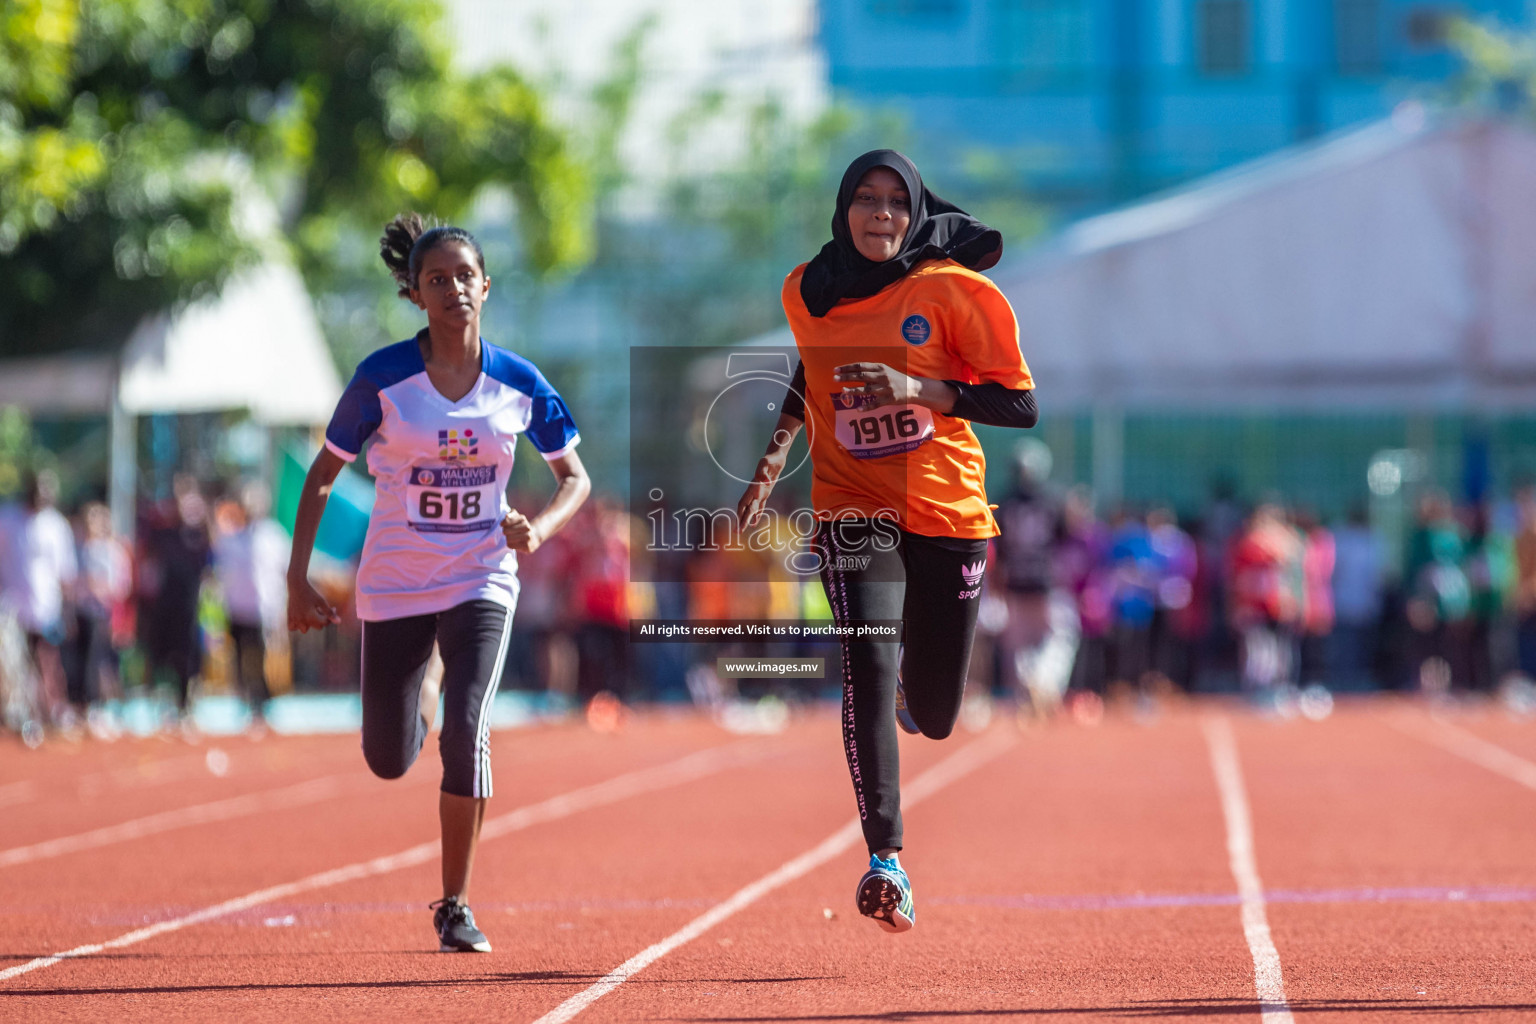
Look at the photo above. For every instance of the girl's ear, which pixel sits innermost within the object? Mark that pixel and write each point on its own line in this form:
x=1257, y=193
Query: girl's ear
x=416, y=299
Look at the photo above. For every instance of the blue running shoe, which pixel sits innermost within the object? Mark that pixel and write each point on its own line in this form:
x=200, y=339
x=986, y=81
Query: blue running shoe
x=903, y=716
x=885, y=894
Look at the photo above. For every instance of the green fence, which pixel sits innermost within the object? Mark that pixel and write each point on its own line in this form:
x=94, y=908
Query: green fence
x=1317, y=460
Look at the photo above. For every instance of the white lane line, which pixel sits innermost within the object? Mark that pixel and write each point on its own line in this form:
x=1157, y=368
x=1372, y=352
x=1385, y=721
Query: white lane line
x=1470, y=747
x=1268, y=980
x=17, y=792
x=961, y=763
x=182, y=817
x=147, y=774
x=686, y=769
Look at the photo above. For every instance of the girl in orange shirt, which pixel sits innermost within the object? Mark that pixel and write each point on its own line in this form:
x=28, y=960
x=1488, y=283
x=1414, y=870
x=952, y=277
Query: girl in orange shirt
x=902, y=343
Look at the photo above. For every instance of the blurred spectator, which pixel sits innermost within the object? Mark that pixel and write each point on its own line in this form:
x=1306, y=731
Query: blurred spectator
x=251, y=562
x=542, y=655
x=600, y=592
x=176, y=554
x=1133, y=575
x=1179, y=620
x=1080, y=571
x=1265, y=601
x=105, y=582
x=37, y=574
x=1224, y=515
x=1525, y=579
x=1439, y=597
x=1358, y=577
x=1039, y=641
x=1318, y=561
x=1220, y=523
x=1489, y=566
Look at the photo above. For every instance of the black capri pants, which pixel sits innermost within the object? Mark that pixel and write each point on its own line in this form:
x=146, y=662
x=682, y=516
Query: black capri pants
x=873, y=570
x=473, y=639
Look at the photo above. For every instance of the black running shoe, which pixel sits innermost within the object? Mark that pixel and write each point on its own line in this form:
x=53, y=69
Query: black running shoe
x=456, y=931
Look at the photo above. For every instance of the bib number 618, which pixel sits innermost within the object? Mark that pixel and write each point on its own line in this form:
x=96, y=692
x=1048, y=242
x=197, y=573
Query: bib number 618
x=433, y=504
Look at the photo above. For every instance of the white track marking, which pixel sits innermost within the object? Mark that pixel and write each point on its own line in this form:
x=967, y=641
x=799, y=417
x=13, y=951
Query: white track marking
x=1469, y=746
x=145, y=774
x=17, y=792
x=1268, y=980
x=961, y=763
x=309, y=792
x=694, y=766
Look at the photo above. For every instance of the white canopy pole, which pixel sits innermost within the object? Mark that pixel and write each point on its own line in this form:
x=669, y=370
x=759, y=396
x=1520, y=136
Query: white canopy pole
x=123, y=462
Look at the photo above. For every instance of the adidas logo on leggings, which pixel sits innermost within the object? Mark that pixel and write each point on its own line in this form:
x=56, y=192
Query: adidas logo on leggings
x=971, y=574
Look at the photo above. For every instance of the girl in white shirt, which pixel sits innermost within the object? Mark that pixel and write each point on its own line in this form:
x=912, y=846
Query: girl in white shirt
x=444, y=410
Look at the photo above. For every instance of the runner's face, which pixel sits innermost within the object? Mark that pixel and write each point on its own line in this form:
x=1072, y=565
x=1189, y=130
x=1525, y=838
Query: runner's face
x=879, y=214
x=451, y=287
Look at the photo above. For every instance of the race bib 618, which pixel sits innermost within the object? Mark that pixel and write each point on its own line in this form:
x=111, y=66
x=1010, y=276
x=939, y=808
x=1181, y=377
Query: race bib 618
x=452, y=499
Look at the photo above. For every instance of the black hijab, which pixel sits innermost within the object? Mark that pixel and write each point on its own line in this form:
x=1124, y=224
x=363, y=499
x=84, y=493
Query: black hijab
x=939, y=230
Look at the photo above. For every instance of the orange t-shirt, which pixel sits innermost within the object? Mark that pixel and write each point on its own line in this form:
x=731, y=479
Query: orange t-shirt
x=924, y=468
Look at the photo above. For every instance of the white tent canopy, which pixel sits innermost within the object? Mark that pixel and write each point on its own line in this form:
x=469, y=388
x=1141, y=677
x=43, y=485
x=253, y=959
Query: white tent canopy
x=1391, y=267
x=257, y=346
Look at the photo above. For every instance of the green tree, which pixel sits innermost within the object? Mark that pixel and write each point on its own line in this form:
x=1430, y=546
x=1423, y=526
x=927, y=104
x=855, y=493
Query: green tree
x=733, y=232
x=151, y=148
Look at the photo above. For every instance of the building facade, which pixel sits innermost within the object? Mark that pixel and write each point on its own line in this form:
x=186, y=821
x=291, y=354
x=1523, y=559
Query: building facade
x=1098, y=101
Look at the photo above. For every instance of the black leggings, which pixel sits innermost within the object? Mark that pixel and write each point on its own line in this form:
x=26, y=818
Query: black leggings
x=250, y=642
x=874, y=571
x=473, y=640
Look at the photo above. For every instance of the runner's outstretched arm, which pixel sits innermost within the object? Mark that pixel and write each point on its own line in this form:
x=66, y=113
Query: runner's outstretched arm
x=307, y=609
x=768, y=469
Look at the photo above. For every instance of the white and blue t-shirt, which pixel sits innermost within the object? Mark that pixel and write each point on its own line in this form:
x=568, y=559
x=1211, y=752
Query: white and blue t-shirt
x=441, y=470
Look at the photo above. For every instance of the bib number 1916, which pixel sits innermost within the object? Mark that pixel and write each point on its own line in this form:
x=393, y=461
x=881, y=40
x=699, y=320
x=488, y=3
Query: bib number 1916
x=867, y=431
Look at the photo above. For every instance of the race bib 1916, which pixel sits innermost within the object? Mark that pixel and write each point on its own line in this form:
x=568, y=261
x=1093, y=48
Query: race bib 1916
x=452, y=499
x=867, y=432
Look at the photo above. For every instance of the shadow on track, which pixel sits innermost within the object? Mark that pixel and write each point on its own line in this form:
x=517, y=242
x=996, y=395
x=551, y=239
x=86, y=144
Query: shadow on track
x=504, y=978
x=1246, y=1008
x=512, y=977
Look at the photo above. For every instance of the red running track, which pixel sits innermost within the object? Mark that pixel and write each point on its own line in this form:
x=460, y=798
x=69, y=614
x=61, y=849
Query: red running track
x=1062, y=872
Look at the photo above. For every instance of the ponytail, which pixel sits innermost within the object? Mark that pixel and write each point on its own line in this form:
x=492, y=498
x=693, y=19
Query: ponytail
x=407, y=240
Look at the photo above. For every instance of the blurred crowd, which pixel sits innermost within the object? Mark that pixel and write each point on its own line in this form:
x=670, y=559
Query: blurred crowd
x=1254, y=597
x=86, y=615
x=1260, y=597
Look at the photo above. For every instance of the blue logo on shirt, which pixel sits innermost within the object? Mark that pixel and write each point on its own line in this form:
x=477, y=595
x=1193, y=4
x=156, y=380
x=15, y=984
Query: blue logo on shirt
x=915, y=329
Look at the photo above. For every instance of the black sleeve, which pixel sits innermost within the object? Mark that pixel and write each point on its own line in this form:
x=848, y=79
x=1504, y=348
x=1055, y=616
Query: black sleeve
x=995, y=405
x=794, y=397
